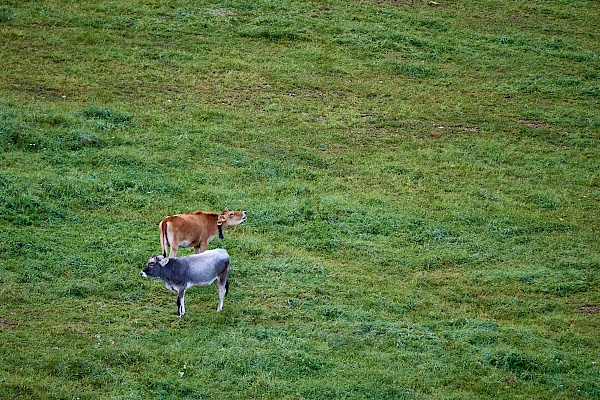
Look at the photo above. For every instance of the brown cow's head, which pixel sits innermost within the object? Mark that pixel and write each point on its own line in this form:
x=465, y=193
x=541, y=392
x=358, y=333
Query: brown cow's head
x=231, y=218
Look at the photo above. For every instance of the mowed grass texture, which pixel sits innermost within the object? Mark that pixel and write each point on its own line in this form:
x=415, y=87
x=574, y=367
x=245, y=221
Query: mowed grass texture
x=422, y=183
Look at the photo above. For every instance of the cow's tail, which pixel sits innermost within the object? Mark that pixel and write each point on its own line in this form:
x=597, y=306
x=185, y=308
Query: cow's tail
x=164, y=241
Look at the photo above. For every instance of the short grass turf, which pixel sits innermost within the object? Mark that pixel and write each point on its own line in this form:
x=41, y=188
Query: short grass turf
x=422, y=182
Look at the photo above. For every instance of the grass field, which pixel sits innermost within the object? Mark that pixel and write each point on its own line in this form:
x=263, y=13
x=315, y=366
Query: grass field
x=422, y=183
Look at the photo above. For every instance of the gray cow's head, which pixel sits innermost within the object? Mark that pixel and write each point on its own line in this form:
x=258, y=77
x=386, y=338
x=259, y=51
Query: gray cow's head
x=153, y=266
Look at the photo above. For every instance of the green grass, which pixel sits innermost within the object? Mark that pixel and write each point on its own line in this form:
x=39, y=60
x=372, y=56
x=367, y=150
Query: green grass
x=422, y=185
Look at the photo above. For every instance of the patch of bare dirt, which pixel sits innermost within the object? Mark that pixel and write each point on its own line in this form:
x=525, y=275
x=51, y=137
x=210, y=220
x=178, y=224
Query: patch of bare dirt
x=532, y=123
x=590, y=309
x=7, y=324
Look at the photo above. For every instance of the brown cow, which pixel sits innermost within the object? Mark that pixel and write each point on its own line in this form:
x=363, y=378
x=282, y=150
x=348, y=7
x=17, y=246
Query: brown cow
x=195, y=229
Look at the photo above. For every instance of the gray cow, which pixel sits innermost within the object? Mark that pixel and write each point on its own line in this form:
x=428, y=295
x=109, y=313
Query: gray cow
x=181, y=273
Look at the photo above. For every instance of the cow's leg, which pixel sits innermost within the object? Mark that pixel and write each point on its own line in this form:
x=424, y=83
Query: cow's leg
x=173, y=252
x=222, y=283
x=180, y=304
x=201, y=248
x=221, y=289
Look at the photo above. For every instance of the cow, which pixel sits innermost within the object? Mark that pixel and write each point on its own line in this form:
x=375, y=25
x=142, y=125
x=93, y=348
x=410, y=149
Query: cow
x=182, y=273
x=195, y=229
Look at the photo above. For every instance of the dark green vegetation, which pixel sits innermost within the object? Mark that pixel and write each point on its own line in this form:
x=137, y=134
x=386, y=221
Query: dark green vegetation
x=422, y=185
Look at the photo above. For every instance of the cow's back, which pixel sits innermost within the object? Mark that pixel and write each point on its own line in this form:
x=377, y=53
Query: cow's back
x=199, y=224
x=188, y=230
x=204, y=267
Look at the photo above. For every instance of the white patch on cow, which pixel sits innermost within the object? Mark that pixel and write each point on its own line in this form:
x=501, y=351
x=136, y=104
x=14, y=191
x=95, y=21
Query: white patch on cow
x=171, y=288
x=144, y=274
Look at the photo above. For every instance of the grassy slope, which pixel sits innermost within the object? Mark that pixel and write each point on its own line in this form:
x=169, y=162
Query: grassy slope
x=422, y=184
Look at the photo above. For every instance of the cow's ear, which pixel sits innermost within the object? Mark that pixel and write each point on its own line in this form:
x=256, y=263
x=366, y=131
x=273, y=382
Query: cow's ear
x=164, y=261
